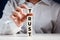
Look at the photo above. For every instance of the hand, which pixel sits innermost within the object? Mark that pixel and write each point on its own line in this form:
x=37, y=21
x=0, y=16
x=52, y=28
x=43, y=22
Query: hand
x=18, y=16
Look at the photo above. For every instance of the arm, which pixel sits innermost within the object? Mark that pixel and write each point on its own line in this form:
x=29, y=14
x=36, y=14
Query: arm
x=6, y=17
x=57, y=24
x=3, y=28
x=8, y=11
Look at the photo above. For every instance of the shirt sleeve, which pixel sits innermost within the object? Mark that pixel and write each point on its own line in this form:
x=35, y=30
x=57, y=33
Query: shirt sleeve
x=6, y=13
x=55, y=13
x=9, y=7
x=57, y=25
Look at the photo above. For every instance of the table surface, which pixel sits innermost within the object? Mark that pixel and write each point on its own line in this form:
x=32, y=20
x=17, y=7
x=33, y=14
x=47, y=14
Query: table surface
x=33, y=37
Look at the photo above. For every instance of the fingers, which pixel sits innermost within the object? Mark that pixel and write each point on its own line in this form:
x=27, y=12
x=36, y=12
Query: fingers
x=21, y=8
x=19, y=16
x=30, y=14
x=25, y=17
x=16, y=20
x=24, y=6
x=18, y=9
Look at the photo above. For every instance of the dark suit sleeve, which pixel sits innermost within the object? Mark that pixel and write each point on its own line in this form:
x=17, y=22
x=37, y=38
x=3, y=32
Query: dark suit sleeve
x=57, y=1
x=2, y=5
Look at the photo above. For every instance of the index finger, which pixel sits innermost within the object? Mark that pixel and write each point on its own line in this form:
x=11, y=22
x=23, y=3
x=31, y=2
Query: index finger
x=24, y=6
